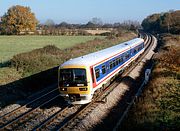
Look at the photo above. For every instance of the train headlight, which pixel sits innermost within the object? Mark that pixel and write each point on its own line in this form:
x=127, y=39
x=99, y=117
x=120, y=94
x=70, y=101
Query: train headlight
x=63, y=89
x=83, y=89
x=80, y=84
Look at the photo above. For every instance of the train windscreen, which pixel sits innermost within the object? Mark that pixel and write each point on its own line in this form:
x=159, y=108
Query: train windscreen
x=72, y=77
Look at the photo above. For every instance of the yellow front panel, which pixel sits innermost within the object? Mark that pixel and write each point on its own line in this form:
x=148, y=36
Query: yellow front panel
x=75, y=90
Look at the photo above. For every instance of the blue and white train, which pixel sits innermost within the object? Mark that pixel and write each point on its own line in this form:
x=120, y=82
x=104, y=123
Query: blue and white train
x=80, y=77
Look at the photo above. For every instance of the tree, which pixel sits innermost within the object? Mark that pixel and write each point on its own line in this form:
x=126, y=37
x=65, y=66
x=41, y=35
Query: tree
x=0, y=25
x=49, y=22
x=94, y=23
x=18, y=18
x=170, y=22
x=130, y=25
x=167, y=22
x=91, y=25
x=65, y=25
x=97, y=21
x=152, y=23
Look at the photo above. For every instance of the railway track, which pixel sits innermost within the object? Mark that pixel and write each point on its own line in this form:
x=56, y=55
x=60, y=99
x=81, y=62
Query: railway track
x=138, y=91
x=71, y=121
x=19, y=115
x=62, y=119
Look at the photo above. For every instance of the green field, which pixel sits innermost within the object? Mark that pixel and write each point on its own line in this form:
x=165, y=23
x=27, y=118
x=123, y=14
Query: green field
x=11, y=45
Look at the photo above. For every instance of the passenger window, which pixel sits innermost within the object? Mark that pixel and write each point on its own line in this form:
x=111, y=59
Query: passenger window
x=103, y=69
x=114, y=63
x=142, y=45
x=136, y=49
x=117, y=61
x=120, y=59
x=97, y=73
x=127, y=56
x=111, y=65
x=139, y=47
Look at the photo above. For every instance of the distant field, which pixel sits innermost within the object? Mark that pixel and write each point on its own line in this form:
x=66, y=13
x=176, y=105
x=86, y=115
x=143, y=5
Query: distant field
x=98, y=31
x=11, y=45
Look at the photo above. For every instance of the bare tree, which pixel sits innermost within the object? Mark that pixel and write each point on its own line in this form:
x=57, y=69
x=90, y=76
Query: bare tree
x=49, y=22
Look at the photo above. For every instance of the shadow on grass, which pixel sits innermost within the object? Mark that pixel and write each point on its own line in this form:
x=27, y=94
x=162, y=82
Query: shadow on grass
x=5, y=64
x=20, y=90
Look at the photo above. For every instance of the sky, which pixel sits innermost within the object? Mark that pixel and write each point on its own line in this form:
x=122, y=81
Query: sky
x=82, y=11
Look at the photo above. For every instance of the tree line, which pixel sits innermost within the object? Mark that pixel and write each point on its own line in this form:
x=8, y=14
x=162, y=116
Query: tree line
x=20, y=20
x=65, y=28
x=168, y=22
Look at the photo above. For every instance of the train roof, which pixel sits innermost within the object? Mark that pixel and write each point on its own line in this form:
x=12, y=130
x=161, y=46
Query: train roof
x=96, y=57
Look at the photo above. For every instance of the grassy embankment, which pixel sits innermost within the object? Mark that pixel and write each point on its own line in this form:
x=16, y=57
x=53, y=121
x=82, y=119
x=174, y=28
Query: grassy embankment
x=13, y=45
x=38, y=68
x=159, y=106
x=64, y=48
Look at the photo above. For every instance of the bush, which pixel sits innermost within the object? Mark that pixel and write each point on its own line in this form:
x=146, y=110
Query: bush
x=50, y=56
x=37, y=60
x=158, y=106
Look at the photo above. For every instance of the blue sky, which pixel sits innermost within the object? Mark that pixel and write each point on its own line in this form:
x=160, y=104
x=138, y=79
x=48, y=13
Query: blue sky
x=82, y=11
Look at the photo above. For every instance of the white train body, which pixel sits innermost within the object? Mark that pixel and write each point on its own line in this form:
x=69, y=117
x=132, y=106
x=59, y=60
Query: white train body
x=80, y=77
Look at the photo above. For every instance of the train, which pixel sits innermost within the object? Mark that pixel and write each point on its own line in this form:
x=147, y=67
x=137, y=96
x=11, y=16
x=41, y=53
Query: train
x=81, y=77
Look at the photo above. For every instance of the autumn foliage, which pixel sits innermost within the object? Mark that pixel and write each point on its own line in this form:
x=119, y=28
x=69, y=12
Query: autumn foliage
x=18, y=19
x=167, y=22
x=158, y=106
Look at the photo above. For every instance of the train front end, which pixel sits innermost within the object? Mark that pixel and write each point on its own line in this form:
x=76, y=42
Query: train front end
x=74, y=84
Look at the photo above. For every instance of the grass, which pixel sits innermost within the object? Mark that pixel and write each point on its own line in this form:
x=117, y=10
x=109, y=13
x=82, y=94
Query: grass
x=8, y=75
x=50, y=56
x=36, y=67
x=41, y=59
x=12, y=45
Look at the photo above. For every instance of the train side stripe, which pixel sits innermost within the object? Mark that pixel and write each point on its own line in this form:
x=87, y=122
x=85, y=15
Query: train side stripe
x=115, y=54
x=115, y=71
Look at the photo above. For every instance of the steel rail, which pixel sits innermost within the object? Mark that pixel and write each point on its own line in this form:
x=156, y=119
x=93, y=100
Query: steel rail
x=24, y=106
x=151, y=40
x=50, y=119
x=47, y=121
x=81, y=109
x=79, y=112
x=25, y=114
x=109, y=88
